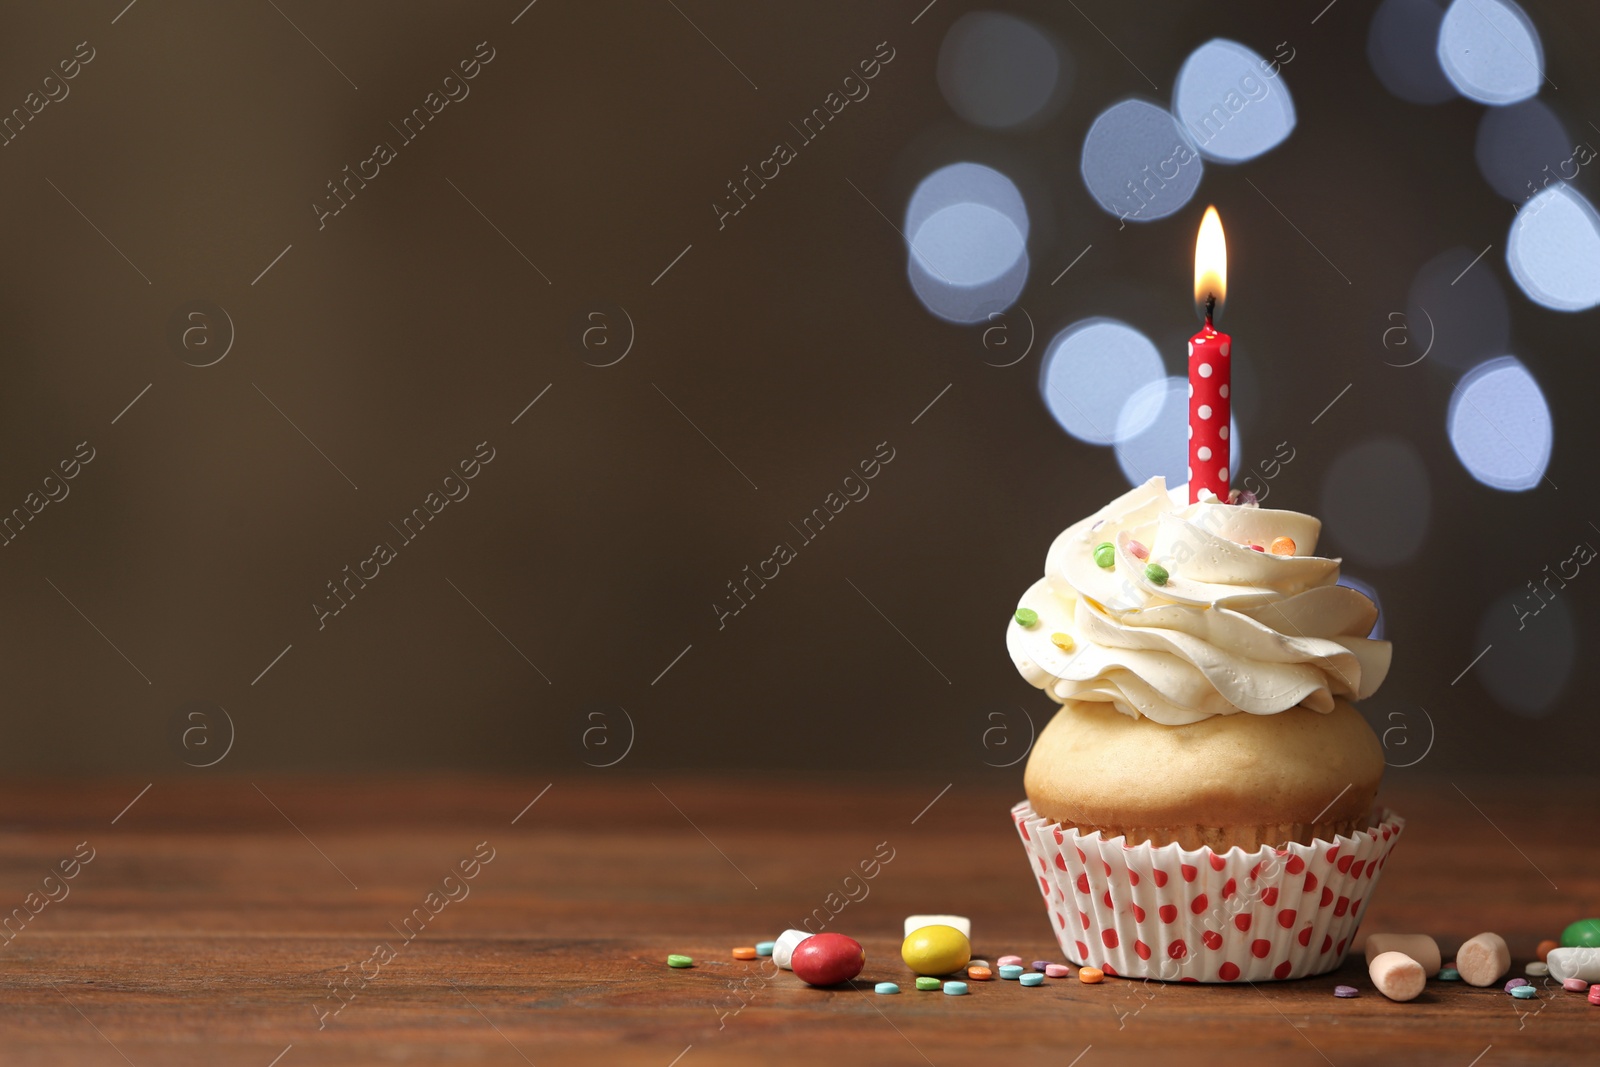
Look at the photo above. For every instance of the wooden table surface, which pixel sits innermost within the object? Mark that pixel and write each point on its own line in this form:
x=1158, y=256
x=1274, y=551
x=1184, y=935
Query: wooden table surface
x=214, y=914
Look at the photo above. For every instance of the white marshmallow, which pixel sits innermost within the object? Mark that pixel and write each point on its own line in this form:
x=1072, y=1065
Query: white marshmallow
x=1484, y=960
x=783, y=948
x=1397, y=976
x=1420, y=947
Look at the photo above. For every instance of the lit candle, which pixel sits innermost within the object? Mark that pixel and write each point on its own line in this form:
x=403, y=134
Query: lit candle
x=1210, y=368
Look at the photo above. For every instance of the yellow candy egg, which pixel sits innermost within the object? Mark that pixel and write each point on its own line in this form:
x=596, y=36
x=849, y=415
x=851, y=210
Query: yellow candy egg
x=936, y=950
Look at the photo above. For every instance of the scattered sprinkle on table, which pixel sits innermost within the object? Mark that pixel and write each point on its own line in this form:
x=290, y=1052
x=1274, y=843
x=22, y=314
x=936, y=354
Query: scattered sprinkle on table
x=979, y=974
x=1449, y=974
x=1011, y=971
x=1543, y=951
x=1594, y=994
x=1008, y=961
x=676, y=960
x=1040, y=965
x=1346, y=991
x=955, y=989
x=886, y=988
x=764, y=948
x=1574, y=985
x=928, y=983
x=1515, y=983
x=1057, y=970
x=745, y=952
x=1536, y=969
x=1091, y=975
x=1032, y=978
x=1524, y=992
x=1026, y=616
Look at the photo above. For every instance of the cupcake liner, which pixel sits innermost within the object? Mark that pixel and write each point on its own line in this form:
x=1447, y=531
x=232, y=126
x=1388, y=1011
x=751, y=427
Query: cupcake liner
x=1195, y=915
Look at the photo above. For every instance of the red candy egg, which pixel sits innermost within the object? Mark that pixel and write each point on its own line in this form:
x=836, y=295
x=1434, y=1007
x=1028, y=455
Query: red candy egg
x=828, y=959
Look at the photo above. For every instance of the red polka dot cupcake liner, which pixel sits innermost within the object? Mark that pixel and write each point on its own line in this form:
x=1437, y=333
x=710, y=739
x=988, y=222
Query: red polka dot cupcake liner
x=1194, y=915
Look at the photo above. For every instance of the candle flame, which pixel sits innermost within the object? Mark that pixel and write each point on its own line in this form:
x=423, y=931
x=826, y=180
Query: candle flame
x=1210, y=260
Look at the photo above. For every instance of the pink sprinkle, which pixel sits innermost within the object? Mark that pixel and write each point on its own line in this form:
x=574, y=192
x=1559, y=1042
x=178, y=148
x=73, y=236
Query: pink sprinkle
x=1575, y=985
x=1057, y=970
x=1009, y=961
x=1257, y=548
x=1138, y=550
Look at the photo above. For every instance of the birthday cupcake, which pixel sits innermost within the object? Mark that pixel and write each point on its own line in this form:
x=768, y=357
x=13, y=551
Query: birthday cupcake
x=1201, y=807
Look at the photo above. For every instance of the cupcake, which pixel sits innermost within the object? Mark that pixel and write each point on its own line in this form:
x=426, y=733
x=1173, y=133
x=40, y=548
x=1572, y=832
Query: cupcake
x=1201, y=807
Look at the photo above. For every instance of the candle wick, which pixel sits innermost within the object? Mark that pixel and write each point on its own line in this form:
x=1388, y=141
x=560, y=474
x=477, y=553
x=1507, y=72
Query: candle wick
x=1211, y=306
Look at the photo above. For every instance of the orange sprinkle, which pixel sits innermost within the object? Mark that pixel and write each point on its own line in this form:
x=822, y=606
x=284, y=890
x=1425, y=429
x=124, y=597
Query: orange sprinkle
x=745, y=952
x=1545, y=947
x=1091, y=975
x=979, y=974
x=1283, y=546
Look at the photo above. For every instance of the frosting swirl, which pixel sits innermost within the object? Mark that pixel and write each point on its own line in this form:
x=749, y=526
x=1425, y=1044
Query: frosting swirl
x=1231, y=630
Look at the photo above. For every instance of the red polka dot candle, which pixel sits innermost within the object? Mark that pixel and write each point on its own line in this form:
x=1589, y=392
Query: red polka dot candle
x=1210, y=367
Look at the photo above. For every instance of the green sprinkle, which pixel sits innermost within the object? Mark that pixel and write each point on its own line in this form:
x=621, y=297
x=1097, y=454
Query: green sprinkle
x=1449, y=974
x=928, y=983
x=1156, y=574
x=1026, y=616
x=1105, y=554
x=680, y=961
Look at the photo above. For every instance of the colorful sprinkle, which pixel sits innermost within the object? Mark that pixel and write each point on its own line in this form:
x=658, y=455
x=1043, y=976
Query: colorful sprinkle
x=1009, y=961
x=1594, y=994
x=1536, y=969
x=1574, y=985
x=1040, y=965
x=745, y=952
x=1515, y=983
x=1450, y=974
x=764, y=948
x=1063, y=641
x=1256, y=548
x=1283, y=546
x=1346, y=991
x=680, y=961
x=928, y=983
x=979, y=974
x=1105, y=555
x=1137, y=550
x=1026, y=616
x=1091, y=975
x=1032, y=978
x=955, y=989
x=1010, y=972
x=1057, y=970
x=1524, y=992
x=886, y=988
x=1156, y=574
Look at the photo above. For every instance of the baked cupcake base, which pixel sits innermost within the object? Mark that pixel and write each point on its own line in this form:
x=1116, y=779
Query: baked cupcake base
x=1197, y=915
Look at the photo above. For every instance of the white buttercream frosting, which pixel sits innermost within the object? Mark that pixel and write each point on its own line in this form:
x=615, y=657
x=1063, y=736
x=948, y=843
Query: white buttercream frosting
x=1231, y=630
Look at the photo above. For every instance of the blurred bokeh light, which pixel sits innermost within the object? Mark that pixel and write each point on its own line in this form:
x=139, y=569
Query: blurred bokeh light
x=1554, y=250
x=1232, y=102
x=1499, y=425
x=1001, y=72
x=1138, y=163
x=967, y=230
x=1403, y=48
x=1490, y=51
x=1090, y=372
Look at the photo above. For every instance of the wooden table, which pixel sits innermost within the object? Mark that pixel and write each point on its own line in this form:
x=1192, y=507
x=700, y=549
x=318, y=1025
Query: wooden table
x=215, y=913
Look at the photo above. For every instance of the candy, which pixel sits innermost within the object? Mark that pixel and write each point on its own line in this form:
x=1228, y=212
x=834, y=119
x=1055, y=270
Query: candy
x=1063, y=641
x=1008, y=961
x=764, y=948
x=1256, y=548
x=928, y=983
x=1450, y=974
x=1585, y=933
x=1574, y=985
x=955, y=989
x=978, y=963
x=1137, y=550
x=828, y=959
x=1346, y=991
x=1031, y=978
x=1283, y=546
x=917, y=922
x=979, y=974
x=676, y=960
x=1515, y=983
x=1536, y=969
x=885, y=988
x=1582, y=963
x=1105, y=555
x=1524, y=992
x=1483, y=960
x=1543, y=951
x=1057, y=970
x=783, y=948
x=1155, y=574
x=936, y=949
x=1040, y=965
x=1010, y=972
x=1420, y=947
x=1091, y=975
x=1594, y=994
x=1026, y=616
x=1397, y=976
x=746, y=952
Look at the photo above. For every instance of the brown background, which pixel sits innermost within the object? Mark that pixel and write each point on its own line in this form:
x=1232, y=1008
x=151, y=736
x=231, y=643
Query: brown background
x=408, y=330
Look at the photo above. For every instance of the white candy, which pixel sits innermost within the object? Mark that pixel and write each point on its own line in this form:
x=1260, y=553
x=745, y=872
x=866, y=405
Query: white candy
x=1397, y=976
x=1567, y=963
x=917, y=922
x=1536, y=969
x=783, y=948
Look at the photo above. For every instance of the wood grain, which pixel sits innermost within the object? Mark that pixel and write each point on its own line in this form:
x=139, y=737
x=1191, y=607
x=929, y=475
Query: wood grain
x=207, y=927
